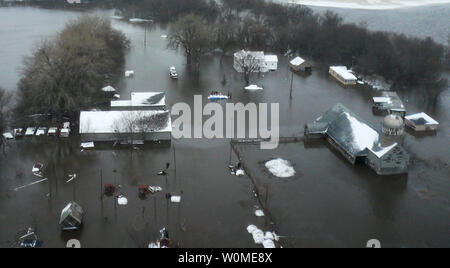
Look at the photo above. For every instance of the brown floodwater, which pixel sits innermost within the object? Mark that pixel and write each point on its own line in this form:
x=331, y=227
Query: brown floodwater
x=329, y=203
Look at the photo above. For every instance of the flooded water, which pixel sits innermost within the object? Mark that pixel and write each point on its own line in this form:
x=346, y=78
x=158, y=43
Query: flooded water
x=328, y=203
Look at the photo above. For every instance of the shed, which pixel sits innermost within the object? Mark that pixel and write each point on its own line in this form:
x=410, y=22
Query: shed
x=71, y=216
x=389, y=102
x=298, y=64
x=343, y=75
x=271, y=62
x=421, y=122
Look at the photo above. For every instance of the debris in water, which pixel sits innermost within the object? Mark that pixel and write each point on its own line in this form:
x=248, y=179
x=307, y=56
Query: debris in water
x=162, y=173
x=33, y=183
x=71, y=177
x=175, y=199
x=267, y=243
x=163, y=242
x=87, y=145
x=37, y=168
x=280, y=168
x=266, y=239
x=109, y=189
x=259, y=213
x=71, y=216
x=258, y=236
x=122, y=200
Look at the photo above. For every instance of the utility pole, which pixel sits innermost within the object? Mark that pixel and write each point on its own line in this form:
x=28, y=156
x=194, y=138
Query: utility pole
x=101, y=185
x=292, y=80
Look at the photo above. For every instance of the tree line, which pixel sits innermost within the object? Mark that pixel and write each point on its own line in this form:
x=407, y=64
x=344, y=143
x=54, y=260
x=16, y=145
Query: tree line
x=200, y=26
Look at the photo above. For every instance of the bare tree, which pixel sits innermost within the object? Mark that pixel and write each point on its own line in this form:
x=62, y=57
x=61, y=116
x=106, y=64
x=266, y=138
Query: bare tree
x=194, y=35
x=4, y=105
x=247, y=63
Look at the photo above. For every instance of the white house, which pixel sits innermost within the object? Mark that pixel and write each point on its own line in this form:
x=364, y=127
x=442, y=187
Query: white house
x=265, y=63
x=271, y=62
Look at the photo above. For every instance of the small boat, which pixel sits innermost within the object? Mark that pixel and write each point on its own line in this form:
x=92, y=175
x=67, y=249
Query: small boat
x=216, y=96
x=173, y=73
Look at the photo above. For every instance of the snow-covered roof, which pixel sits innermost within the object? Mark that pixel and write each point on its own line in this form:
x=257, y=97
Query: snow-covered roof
x=421, y=119
x=350, y=132
x=343, y=72
x=271, y=58
x=381, y=99
x=108, y=89
x=119, y=121
x=244, y=53
x=297, y=61
x=379, y=151
x=142, y=99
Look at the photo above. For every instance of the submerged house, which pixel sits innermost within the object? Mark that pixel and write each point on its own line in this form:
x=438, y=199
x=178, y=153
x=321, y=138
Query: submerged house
x=389, y=102
x=421, y=122
x=343, y=75
x=71, y=216
x=141, y=101
x=357, y=141
x=300, y=65
x=257, y=61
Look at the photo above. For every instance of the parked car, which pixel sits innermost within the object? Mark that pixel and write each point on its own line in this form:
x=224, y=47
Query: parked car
x=30, y=131
x=64, y=132
x=41, y=131
x=53, y=131
x=8, y=136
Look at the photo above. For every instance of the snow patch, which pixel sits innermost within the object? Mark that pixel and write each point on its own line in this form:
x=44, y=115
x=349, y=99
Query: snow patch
x=280, y=168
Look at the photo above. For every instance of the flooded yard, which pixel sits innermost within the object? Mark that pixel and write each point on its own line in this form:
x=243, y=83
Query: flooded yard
x=328, y=203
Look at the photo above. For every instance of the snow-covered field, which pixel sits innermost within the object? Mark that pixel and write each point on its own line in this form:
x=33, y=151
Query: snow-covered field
x=368, y=4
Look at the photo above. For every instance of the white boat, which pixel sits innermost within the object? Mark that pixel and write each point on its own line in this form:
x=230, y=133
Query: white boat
x=218, y=96
x=253, y=87
x=173, y=73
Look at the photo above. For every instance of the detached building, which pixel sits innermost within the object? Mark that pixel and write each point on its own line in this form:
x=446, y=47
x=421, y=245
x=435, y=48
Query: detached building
x=125, y=126
x=389, y=102
x=257, y=61
x=300, y=65
x=342, y=75
x=357, y=141
x=421, y=122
